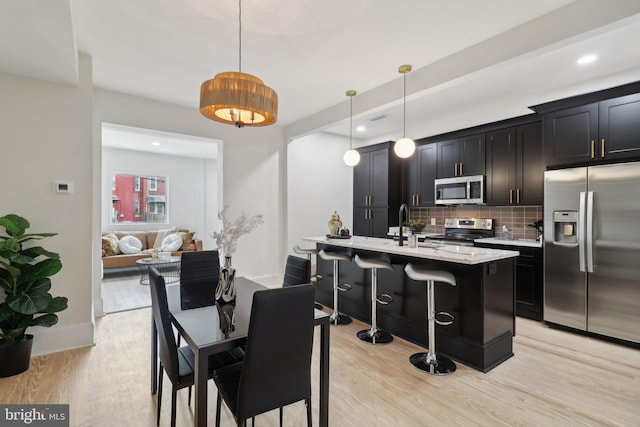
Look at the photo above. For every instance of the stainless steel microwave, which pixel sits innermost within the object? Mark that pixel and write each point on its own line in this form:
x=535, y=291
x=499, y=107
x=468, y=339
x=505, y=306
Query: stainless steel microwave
x=460, y=190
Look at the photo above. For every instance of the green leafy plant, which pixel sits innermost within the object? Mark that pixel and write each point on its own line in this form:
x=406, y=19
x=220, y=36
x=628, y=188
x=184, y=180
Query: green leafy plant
x=415, y=225
x=24, y=278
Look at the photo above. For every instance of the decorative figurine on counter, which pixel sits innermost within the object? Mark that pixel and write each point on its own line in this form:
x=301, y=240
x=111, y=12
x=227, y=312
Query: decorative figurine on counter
x=335, y=224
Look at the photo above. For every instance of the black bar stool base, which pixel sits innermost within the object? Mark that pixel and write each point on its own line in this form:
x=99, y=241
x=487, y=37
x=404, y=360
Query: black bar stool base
x=443, y=365
x=377, y=337
x=340, y=319
x=318, y=306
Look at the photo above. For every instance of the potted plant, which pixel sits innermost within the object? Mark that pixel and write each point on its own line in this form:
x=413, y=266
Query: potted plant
x=415, y=225
x=24, y=278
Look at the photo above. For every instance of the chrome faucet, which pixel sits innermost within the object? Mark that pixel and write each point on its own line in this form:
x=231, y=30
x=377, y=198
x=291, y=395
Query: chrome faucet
x=405, y=208
x=506, y=230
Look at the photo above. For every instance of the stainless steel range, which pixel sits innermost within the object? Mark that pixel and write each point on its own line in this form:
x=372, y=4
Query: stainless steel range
x=463, y=231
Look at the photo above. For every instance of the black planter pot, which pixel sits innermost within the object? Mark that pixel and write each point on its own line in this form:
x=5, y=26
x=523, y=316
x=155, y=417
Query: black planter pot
x=15, y=359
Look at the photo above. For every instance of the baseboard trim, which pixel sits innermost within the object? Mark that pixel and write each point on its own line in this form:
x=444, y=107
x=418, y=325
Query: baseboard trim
x=62, y=338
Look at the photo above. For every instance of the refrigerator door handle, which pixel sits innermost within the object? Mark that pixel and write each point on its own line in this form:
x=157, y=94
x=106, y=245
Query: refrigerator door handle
x=589, y=230
x=581, y=225
x=565, y=245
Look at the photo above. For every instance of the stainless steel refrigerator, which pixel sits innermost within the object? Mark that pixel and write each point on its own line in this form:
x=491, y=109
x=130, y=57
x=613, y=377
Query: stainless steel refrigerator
x=592, y=249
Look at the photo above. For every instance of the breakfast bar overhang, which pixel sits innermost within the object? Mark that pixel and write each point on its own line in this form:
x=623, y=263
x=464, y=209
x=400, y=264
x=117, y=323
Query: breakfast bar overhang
x=482, y=303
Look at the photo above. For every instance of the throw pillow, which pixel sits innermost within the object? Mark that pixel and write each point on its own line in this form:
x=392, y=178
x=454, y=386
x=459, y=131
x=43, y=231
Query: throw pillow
x=186, y=237
x=171, y=243
x=110, y=245
x=130, y=245
x=161, y=235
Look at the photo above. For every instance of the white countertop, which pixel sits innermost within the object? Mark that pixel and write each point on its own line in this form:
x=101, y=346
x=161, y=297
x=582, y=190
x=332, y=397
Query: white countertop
x=426, y=250
x=530, y=243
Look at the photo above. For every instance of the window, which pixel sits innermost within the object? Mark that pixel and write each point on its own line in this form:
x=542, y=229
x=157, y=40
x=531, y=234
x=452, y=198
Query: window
x=139, y=199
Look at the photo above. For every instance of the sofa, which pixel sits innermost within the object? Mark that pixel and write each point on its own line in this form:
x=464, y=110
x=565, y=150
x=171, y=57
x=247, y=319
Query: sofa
x=112, y=256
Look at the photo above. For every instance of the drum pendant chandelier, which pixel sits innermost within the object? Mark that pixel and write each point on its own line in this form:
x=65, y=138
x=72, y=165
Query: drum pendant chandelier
x=238, y=98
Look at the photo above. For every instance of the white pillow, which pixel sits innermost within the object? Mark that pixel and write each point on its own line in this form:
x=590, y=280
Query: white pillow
x=130, y=245
x=171, y=243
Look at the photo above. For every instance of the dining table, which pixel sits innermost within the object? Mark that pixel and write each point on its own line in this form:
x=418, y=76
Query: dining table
x=219, y=327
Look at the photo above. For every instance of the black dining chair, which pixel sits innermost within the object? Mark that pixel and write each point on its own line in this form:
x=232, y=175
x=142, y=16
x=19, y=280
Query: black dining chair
x=276, y=370
x=178, y=362
x=199, y=274
x=297, y=271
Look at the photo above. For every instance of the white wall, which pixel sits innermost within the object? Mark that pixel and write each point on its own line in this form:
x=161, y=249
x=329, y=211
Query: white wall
x=46, y=135
x=51, y=131
x=189, y=193
x=251, y=161
x=318, y=182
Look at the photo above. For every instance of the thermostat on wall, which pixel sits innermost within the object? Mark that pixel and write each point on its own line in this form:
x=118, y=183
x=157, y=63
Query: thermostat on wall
x=63, y=187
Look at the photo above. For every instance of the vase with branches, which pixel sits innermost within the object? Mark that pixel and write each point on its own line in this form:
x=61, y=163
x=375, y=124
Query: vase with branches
x=227, y=240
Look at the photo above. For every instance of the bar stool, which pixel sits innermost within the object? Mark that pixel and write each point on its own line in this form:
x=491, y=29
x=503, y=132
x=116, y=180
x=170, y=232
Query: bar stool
x=431, y=362
x=313, y=278
x=336, y=317
x=374, y=335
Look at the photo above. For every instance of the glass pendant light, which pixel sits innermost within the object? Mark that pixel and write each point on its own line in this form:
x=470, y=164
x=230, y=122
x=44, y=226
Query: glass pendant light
x=404, y=147
x=351, y=157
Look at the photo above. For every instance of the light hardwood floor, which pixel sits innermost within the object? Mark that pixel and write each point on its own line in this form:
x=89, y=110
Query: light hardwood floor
x=555, y=379
x=123, y=291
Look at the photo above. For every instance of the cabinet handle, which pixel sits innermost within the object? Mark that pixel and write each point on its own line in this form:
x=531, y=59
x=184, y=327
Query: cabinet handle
x=510, y=197
x=518, y=196
x=417, y=199
x=460, y=169
x=593, y=149
x=370, y=216
x=602, y=145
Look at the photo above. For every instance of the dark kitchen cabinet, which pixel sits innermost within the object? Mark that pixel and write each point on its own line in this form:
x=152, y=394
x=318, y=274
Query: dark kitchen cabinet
x=463, y=156
x=421, y=172
x=376, y=190
x=529, y=279
x=529, y=283
x=373, y=222
x=599, y=131
x=515, y=167
x=619, y=127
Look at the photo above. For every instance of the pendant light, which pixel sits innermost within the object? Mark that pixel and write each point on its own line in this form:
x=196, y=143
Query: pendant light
x=238, y=98
x=351, y=157
x=404, y=147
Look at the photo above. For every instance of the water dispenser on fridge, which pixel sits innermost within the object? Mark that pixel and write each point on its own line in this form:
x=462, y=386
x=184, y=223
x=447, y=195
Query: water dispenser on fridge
x=565, y=227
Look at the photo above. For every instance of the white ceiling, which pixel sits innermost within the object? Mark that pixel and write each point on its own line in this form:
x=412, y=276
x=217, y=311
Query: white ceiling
x=474, y=61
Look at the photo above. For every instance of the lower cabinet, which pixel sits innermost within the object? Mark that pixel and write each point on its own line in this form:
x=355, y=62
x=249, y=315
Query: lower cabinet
x=529, y=279
x=371, y=222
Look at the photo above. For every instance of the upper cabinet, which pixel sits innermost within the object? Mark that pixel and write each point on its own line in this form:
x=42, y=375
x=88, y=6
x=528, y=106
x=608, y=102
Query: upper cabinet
x=592, y=128
x=570, y=135
x=515, y=170
x=370, y=179
x=462, y=156
x=376, y=190
x=619, y=127
x=421, y=173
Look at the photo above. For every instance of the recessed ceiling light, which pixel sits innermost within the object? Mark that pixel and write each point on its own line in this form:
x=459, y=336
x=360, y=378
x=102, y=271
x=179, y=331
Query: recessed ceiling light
x=361, y=128
x=155, y=143
x=586, y=59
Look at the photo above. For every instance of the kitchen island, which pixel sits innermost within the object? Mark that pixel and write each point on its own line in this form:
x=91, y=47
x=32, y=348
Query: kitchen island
x=482, y=302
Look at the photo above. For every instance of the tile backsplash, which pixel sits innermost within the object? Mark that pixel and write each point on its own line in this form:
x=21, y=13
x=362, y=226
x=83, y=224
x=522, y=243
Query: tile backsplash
x=516, y=218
